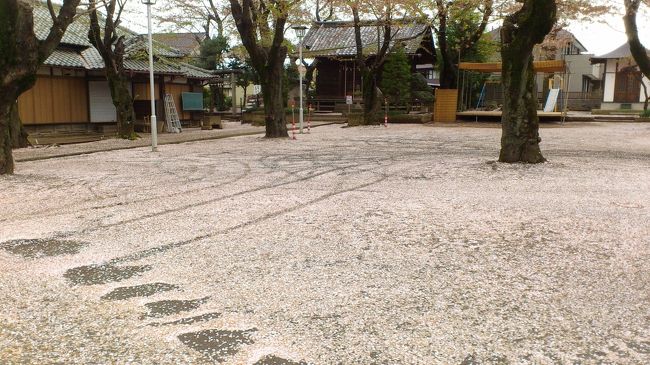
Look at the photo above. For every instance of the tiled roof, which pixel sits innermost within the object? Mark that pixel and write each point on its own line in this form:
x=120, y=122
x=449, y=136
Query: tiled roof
x=187, y=43
x=65, y=58
x=93, y=59
x=621, y=52
x=195, y=72
x=337, y=38
x=139, y=43
x=75, y=35
x=158, y=67
x=75, y=51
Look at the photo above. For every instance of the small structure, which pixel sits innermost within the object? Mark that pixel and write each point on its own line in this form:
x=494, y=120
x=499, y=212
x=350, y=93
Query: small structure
x=71, y=93
x=466, y=106
x=581, y=82
x=624, y=85
x=226, y=81
x=332, y=46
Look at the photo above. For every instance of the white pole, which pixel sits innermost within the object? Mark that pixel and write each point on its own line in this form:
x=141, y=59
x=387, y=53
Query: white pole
x=154, y=123
x=300, y=80
x=233, y=91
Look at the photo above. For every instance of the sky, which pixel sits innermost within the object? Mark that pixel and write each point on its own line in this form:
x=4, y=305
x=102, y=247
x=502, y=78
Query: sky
x=600, y=38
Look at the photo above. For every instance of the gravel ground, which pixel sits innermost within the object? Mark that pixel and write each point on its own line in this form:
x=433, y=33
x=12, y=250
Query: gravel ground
x=399, y=245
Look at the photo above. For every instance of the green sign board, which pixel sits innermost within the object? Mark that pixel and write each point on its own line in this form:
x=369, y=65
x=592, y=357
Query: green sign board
x=192, y=101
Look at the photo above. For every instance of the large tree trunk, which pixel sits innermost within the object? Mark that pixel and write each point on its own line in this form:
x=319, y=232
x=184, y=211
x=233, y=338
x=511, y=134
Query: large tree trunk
x=111, y=48
x=639, y=52
x=16, y=129
x=276, y=124
x=21, y=53
x=448, y=61
x=520, y=123
x=267, y=60
x=18, y=63
x=123, y=105
x=447, y=69
x=6, y=159
x=372, y=98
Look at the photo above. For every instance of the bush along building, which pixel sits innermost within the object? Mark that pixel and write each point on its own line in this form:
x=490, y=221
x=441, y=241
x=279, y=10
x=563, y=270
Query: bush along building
x=72, y=95
x=332, y=46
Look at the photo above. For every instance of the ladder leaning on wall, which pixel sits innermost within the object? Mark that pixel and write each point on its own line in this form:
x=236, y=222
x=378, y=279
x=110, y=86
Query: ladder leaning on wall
x=173, y=123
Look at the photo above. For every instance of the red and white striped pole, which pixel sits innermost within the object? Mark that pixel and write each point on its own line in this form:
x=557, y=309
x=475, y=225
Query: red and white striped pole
x=386, y=113
x=293, y=120
x=308, y=118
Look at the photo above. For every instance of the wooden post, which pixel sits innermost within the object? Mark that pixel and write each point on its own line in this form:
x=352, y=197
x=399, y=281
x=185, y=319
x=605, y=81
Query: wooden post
x=444, y=109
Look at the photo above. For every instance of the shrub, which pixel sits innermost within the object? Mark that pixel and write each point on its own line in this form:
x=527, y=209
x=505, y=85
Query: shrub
x=420, y=89
x=396, y=77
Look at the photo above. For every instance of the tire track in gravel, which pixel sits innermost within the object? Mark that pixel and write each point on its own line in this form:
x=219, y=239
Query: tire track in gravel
x=206, y=346
x=110, y=265
x=50, y=212
x=165, y=307
x=193, y=205
x=160, y=249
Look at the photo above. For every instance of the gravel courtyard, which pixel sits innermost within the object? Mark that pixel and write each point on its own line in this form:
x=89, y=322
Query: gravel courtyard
x=399, y=245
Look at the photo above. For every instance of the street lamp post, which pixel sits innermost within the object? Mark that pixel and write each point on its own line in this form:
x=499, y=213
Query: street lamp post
x=154, y=123
x=300, y=33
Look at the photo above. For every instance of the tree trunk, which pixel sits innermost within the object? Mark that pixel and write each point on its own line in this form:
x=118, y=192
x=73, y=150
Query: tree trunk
x=276, y=125
x=16, y=129
x=112, y=49
x=123, y=105
x=372, y=98
x=21, y=53
x=6, y=159
x=520, y=123
x=267, y=60
x=637, y=49
x=18, y=63
x=447, y=69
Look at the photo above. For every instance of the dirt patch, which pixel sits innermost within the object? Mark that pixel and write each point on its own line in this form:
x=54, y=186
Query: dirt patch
x=42, y=247
x=200, y=318
x=215, y=344
x=274, y=360
x=144, y=290
x=102, y=274
x=166, y=307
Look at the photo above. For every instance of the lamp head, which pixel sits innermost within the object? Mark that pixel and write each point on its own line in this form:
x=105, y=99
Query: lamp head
x=300, y=30
x=148, y=2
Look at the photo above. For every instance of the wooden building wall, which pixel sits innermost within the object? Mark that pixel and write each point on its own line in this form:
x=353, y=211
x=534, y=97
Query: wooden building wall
x=141, y=92
x=55, y=100
x=176, y=90
x=328, y=79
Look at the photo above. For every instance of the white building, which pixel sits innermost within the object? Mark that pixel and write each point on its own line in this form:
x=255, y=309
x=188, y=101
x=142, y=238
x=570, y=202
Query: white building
x=623, y=82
